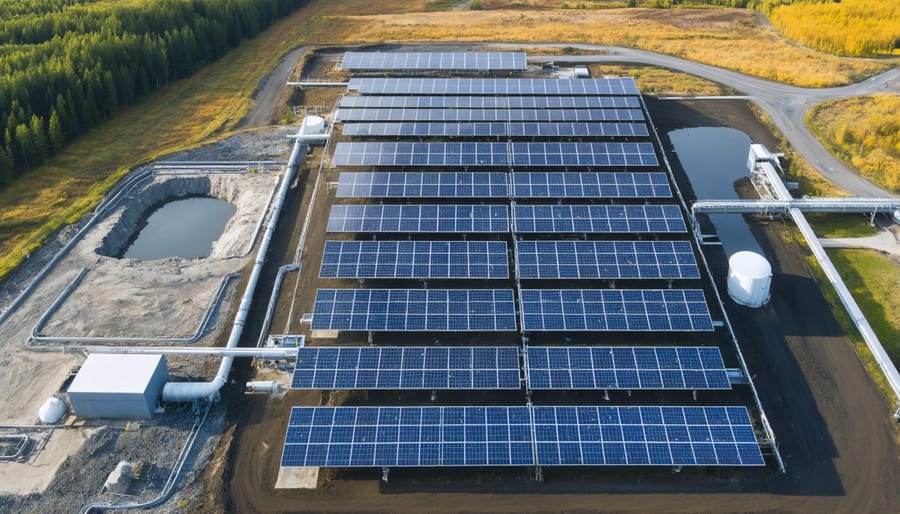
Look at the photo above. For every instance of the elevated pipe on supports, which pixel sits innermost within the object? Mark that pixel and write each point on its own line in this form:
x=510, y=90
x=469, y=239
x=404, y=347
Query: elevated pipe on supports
x=257, y=353
x=192, y=391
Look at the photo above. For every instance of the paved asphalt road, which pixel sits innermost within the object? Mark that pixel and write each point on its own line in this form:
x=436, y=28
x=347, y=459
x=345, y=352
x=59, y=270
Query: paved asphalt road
x=786, y=105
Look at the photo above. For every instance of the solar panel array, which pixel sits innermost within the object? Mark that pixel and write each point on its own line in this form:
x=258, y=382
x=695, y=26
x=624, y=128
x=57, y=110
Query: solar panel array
x=497, y=185
x=632, y=310
x=392, y=310
x=503, y=115
x=433, y=61
x=422, y=185
x=516, y=125
x=491, y=102
x=499, y=87
x=626, y=367
x=419, y=218
x=411, y=367
x=494, y=154
x=605, y=260
x=590, y=185
x=491, y=129
x=588, y=219
x=415, y=259
x=520, y=436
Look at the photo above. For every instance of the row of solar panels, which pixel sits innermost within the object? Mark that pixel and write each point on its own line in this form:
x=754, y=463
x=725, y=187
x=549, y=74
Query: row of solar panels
x=502, y=185
x=491, y=102
x=579, y=219
x=494, y=310
x=494, y=154
x=491, y=129
x=478, y=367
x=433, y=61
x=504, y=115
x=520, y=436
x=620, y=86
x=489, y=260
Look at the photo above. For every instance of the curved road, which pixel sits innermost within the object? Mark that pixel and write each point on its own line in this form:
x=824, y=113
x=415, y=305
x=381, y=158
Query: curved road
x=786, y=105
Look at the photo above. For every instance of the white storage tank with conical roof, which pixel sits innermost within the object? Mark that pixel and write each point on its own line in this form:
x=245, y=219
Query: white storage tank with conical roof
x=312, y=125
x=749, y=279
x=52, y=410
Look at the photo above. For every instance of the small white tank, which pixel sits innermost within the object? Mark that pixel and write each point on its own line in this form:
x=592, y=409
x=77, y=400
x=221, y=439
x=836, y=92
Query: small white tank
x=52, y=410
x=749, y=279
x=312, y=125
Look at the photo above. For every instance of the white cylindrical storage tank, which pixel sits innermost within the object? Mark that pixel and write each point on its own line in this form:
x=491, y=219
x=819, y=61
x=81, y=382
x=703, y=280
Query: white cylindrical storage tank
x=312, y=125
x=749, y=279
x=52, y=410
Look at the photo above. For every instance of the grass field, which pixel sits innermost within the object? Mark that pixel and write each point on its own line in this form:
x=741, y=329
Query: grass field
x=865, y=133
x=846, y=27
x=660, y=81
x=211, y=103
x=841, y=225
x=873, y=279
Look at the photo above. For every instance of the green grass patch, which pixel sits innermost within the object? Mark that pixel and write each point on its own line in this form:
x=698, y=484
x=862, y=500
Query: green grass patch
x=841, y=225
x=873, y=280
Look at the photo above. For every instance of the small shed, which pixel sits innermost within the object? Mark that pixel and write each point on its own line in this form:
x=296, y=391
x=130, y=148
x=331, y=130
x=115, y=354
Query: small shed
x=118, y=386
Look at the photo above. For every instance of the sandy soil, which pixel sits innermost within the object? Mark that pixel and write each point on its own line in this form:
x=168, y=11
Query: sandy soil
x=832, y=424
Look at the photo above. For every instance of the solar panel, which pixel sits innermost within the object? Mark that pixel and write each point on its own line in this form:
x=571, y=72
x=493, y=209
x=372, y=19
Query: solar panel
x=422, y=185
x=605, y=260
x=411, y=367
x=509, y=129
x=419, y=218
x=590, y=185
x=433, y=61
x=346, y=114
x=494, y=154
x=491, y=102
x=414, y=259
x=620, y=86
x=598, y=218
x=645, y=436
x=429, y=310
x=615, y=310
x=408, y=436
x=520, y=436
x=626, y=367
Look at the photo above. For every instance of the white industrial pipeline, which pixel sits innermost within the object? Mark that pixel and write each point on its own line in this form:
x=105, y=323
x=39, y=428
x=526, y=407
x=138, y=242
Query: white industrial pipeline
x=191, y=391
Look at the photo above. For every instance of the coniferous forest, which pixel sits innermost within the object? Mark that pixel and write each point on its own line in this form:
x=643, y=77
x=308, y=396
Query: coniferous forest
x=67, y=65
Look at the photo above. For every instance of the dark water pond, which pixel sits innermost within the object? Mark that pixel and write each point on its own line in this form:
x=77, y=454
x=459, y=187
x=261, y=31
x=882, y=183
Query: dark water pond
x=713, y=159
x=182, y=228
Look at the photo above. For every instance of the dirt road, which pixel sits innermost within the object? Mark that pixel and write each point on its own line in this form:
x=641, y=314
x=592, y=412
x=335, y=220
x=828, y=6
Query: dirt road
x=268, y=96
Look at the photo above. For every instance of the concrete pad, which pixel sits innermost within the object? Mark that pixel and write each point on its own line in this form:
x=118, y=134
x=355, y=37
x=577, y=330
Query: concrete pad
x=36, y=474
x=297, y=478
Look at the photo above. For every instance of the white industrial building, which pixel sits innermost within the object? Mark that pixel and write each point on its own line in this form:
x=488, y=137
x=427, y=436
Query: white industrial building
x=118, y=386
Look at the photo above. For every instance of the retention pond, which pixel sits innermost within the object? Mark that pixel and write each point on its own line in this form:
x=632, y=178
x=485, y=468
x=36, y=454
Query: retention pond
x=713, y=159
x=185, y=228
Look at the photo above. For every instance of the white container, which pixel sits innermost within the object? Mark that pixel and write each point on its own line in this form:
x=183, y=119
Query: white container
x=263, y=386
x=312, y=125
x=749, y=279
x=52, y=410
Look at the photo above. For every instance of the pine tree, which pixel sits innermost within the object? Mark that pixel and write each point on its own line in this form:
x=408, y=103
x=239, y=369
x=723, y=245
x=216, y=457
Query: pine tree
x=55, y=131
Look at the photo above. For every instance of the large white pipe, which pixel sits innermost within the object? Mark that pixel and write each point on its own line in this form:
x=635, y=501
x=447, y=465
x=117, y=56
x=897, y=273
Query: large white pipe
x=191, y=391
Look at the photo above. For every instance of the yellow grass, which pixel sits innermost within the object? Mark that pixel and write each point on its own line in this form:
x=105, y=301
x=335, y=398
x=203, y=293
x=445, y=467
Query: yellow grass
x=848, y=27
x=662, y=82
x=865, y=133
x=728, y=38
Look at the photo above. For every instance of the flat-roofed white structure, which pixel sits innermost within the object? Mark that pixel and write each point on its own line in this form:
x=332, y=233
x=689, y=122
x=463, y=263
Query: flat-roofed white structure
x=118, y=386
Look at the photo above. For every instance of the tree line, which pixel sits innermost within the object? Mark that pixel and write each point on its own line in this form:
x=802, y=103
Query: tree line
x=67, y=65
